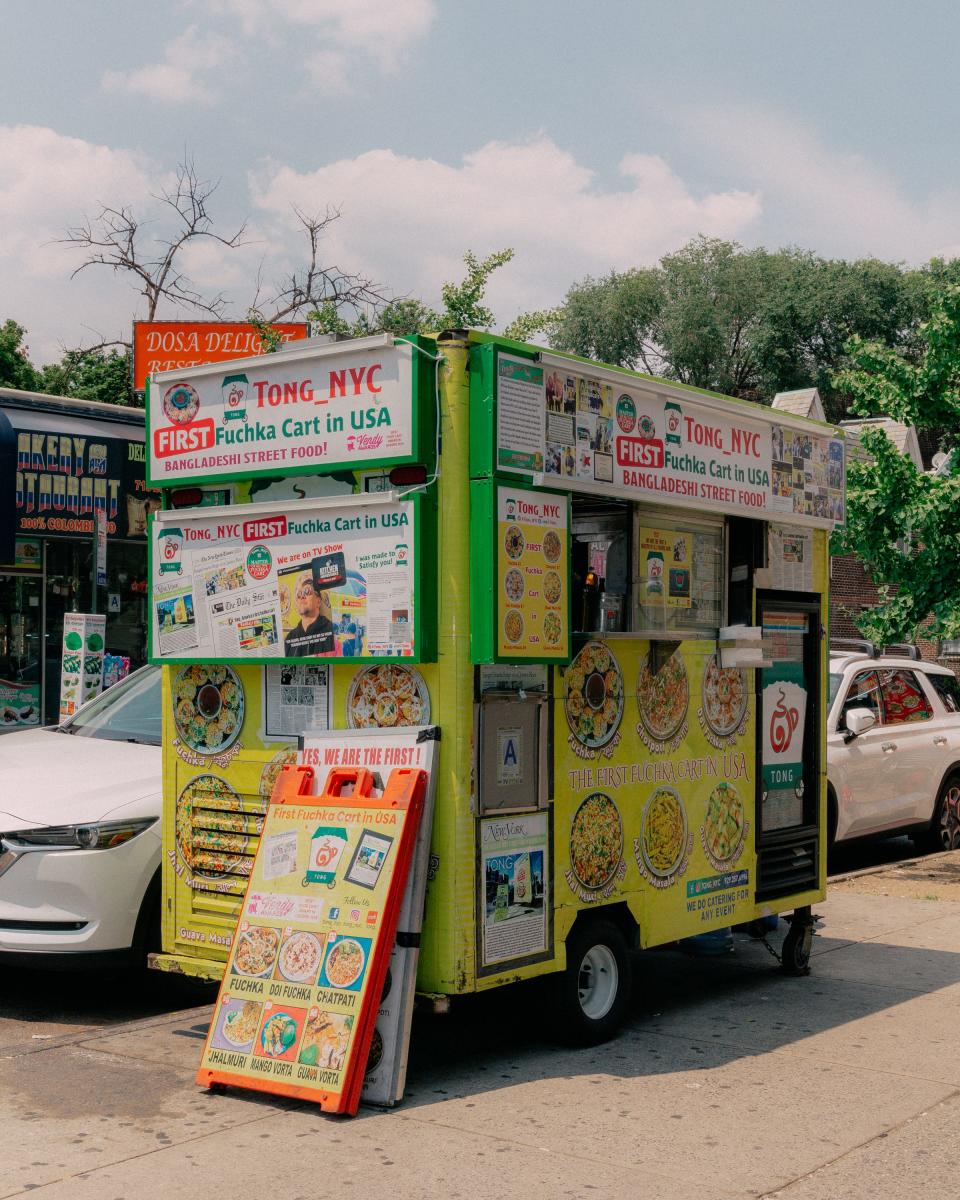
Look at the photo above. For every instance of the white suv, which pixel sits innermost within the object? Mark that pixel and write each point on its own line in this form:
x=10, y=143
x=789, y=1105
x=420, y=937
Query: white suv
x=893, y=748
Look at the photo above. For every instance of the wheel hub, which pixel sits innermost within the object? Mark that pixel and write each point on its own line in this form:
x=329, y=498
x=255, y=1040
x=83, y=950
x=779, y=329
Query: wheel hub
x=950, y=819
x=598, y=983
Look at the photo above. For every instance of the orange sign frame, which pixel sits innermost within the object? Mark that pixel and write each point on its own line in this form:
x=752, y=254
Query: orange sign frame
x=173, y=345
x=281, y=1047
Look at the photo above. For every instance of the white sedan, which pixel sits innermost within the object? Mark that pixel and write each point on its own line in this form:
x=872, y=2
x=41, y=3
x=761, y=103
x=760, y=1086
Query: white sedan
x=80, y=833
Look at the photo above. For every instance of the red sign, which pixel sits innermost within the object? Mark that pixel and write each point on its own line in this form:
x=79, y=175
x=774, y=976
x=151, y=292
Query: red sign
x=639, y=452
x=172, y=345
x=179, y=439
x=265, y=527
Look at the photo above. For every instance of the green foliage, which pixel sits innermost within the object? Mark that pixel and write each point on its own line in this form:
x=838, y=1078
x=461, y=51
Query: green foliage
x=526, y=326
x=905, y=525
x=613, y=319
x=16, y=370
x=463, y=306
x=743, y=322
x=271, y=337
x=93, y=375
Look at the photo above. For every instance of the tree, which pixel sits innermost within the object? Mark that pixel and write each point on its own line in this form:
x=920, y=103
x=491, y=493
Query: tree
x=106, y=376
x=15, y=368
x=743, y=322
x=904, y=525
x=120, y=241
x=463, y=306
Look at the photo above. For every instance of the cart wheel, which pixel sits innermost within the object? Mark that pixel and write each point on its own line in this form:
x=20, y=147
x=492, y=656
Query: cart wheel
x=795, y=955
x=592, y=994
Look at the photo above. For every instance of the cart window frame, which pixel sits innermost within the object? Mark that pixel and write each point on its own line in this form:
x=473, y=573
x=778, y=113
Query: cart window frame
x=647, y=516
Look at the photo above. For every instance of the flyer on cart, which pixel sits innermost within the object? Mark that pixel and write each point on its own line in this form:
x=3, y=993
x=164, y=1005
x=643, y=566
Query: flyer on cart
x=514, y=882
x=330, y=578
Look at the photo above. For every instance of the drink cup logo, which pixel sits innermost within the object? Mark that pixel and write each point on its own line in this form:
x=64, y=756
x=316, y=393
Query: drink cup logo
x=783, y=723
x=673, y=415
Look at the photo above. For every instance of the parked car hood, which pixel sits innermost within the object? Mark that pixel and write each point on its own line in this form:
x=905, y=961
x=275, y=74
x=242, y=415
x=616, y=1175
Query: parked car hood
x=49, y=778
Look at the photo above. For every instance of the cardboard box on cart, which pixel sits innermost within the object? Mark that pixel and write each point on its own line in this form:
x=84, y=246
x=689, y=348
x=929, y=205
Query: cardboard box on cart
x=593, y=788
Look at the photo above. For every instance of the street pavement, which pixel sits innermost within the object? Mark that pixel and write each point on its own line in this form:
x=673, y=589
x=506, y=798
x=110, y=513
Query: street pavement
x=730, y=1080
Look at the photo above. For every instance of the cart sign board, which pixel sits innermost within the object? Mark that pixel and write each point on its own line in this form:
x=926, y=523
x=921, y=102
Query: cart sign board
x=336, y=406
x=380, y=750
x=175, y=345
x=298, y=1003
x=329, y=578
x=613, y=433
x=527, y=570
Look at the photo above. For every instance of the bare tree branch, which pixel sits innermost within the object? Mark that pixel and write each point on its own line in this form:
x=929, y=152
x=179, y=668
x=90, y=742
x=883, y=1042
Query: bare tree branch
x=315, y=285
x=115, y=239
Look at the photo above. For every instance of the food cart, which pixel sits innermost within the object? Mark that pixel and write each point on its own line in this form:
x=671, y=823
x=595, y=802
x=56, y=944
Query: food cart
x=606, y=591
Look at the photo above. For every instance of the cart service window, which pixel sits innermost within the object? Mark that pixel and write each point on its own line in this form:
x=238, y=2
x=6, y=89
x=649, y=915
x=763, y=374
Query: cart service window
x=678, y=573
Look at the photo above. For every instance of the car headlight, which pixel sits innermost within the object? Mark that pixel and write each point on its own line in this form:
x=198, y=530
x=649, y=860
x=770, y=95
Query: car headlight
x=100, y=835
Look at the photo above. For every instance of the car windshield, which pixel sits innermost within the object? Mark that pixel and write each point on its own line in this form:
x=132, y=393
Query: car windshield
x=834, y=687
x=127, y=712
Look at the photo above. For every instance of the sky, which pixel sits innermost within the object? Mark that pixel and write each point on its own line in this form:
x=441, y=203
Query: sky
x=588, y=136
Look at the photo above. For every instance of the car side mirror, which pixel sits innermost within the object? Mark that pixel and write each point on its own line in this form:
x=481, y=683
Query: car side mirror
x=859, y=720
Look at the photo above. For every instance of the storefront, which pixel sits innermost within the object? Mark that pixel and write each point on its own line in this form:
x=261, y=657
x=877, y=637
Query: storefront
x=62, y=462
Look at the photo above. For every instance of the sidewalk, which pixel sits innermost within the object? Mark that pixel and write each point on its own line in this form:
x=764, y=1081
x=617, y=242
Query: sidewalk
x=730, y=1081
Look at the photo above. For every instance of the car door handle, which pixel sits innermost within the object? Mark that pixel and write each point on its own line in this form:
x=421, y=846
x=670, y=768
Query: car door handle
x=885, y=746
x=939, y=741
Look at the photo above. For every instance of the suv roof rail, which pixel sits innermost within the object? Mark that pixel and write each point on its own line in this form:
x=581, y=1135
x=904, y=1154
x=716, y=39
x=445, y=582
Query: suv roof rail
x=903, y=650
x=861, y=644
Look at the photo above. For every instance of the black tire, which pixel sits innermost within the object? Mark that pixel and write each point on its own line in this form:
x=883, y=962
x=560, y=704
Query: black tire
x=148, y=937
x=591, y=997
x=795, y=954
x=944, y=830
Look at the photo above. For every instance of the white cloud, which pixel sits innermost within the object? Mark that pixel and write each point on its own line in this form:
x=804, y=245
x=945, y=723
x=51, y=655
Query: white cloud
x=336, y=37
x=831, y=201
x=407, y=222
x=190, y=64
x=51, y=182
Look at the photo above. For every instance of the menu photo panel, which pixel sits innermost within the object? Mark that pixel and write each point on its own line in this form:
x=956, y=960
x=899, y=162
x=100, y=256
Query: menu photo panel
x=520, y=548
x=333, y=578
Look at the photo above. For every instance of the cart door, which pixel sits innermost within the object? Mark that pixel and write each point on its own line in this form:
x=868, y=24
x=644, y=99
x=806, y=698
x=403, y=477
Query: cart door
x=788, y=750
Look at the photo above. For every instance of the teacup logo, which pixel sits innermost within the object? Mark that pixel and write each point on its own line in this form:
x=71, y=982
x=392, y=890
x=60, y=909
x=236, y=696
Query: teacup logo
x=783, y=723
x=673, y=416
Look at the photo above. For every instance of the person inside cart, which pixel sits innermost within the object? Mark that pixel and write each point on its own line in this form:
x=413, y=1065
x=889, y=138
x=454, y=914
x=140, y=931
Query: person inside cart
x=313, y=634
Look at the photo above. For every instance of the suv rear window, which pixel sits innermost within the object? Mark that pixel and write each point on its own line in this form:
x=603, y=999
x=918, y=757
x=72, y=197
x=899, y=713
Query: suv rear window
x=904, y=699
x=947, y=688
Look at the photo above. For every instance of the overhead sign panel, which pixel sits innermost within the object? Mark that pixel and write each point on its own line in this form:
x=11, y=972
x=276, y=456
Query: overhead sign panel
x=332, y=578
x=607, y=432
x=321, y=408
x=176, y=345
